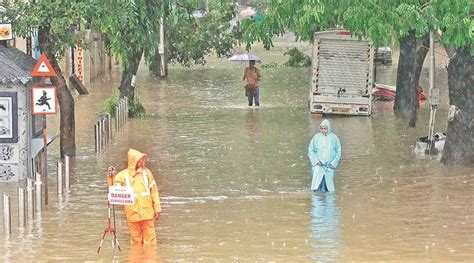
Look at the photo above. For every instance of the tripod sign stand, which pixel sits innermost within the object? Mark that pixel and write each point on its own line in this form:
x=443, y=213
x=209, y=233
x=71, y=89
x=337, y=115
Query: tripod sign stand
x=109, y=230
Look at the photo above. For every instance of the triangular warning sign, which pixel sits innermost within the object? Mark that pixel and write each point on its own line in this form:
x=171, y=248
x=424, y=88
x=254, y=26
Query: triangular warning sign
x=43, y=68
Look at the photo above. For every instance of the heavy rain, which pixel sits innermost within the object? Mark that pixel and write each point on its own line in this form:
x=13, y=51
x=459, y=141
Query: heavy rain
x=234, y=180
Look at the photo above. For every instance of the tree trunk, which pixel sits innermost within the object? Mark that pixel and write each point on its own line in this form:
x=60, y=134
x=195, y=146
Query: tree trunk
x=126, y=88
x=67, y=129
x=422, y=48
x=155, y=66
x=406, y=102
x=459, y=147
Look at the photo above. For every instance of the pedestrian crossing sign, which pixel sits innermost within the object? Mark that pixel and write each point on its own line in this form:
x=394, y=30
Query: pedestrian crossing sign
x=43, y=68
x=43, y=99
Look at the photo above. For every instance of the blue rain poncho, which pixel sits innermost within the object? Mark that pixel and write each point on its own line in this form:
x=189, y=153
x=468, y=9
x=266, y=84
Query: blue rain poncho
x=326, y=150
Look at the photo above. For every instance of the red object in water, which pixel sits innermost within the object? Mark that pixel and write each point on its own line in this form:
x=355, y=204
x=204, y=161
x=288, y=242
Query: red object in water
x=388, y=93
x=383, y=92
x=421, y=94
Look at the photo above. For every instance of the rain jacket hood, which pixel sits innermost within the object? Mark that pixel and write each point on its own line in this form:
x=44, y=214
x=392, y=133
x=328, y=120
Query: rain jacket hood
x=326, y=123
x=133, y=157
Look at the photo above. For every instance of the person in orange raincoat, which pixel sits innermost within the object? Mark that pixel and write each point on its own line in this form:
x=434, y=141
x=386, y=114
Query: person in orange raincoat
x=145, y=210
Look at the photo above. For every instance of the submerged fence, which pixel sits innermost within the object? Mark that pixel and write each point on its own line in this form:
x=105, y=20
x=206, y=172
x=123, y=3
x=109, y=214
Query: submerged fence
x=103, y=128
x=30, y=197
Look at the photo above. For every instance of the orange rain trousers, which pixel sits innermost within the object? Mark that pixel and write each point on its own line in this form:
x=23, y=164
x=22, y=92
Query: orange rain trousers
x=142, y=232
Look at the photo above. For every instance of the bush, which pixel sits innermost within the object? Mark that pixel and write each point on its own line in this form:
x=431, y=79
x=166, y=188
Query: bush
x=110, y=104
x=270, y=65
x=297, y=59
x=135, y=109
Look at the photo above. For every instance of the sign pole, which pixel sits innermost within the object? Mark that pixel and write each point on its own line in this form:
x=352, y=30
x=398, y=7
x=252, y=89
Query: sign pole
x=43, y=69
x=45, y=159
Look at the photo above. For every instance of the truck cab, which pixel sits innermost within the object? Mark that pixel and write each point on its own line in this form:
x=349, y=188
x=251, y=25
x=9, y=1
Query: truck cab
x=342, y=74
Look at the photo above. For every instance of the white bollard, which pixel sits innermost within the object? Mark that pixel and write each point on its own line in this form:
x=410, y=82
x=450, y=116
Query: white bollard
x=126, y=109
x=96, y=135
x=104, y=131
x=109, y=125
x=99, y=125
x=21, y=206
x=120, y=115
x=116, y=119
x=66, y=172
x=38, y=201
x=60, y=177
x=29, y=197
x=7, y=219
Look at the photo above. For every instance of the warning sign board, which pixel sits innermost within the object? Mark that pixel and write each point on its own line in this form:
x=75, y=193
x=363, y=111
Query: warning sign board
x=43, y=68
x=43, y=99
x=121, y=195
x=6, y=31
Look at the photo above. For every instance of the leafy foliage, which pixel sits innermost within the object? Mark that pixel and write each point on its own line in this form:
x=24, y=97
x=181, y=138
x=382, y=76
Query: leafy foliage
x=270, y=65
x=62, y=17
x=303, y=17
x=190, y=37
x=136, y=108
x=110, y=104
x=297, y=58
x=454, y=19
x=130, y=26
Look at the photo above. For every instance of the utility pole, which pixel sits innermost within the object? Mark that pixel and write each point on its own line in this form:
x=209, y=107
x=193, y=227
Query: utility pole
x=434, y=99
x=161, y=48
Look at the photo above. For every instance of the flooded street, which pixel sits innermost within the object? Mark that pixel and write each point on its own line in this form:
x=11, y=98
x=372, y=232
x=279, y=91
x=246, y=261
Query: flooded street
x=234, y=180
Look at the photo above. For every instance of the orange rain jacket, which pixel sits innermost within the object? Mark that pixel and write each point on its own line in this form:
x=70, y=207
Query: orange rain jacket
x=147, y=200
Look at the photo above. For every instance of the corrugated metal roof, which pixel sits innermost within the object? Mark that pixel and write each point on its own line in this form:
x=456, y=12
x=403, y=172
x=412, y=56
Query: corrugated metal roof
x=15, y=66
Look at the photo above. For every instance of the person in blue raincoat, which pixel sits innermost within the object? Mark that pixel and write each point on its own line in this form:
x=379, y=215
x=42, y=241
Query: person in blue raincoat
x=324, y=152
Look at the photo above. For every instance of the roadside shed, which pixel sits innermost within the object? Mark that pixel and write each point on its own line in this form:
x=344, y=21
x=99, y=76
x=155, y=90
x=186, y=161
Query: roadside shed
x=20, y=131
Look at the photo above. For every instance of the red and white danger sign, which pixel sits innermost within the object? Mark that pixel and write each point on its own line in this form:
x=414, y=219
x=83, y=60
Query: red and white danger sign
x=121, y=195
x=43, y=68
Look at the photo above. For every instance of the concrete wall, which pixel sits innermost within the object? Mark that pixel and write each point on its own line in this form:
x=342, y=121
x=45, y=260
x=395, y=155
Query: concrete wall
x=14, y=156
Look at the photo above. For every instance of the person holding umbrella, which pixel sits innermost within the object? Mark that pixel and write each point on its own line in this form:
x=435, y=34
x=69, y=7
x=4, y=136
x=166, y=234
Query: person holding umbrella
x=252, y=76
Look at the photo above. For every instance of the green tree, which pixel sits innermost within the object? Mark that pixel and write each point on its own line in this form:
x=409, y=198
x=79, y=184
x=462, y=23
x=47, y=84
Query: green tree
x=404, y=21
x=192, y=32
x=56, y=22
x=303, y=17
x=131, y=28
x=456, y=27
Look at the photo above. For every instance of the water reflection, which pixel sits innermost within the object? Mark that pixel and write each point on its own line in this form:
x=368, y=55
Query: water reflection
x=325, y=227
x=252, y=124
x=139, y=253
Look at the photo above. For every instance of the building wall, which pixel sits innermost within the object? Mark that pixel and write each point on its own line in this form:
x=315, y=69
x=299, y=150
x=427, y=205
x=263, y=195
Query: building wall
x=14, y=155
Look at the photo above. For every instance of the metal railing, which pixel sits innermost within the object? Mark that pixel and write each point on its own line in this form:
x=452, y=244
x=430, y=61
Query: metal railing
x=103, y=128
